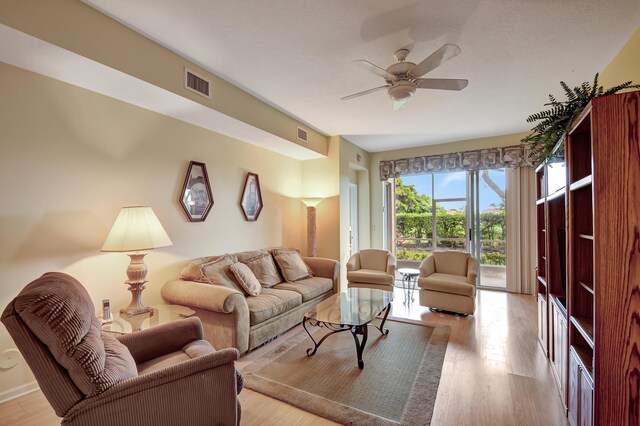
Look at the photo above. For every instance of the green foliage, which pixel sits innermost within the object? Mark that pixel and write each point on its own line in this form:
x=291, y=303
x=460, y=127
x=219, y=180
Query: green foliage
x=449, y=225
x=554, y=122
x=494, y=258
x=493, y=226
x=406, y=254
x=409, y=201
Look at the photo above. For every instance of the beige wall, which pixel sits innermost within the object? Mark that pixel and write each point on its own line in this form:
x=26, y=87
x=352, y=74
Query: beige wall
x=320, y=179
x=625, y=66
x=81, y=29
x=70, y=159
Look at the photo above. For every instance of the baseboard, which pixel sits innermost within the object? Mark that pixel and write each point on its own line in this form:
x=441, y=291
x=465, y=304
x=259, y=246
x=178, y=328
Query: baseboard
x=18, y=391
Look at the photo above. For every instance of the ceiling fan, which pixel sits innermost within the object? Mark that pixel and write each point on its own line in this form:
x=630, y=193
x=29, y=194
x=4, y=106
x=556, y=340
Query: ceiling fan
x=403, y=78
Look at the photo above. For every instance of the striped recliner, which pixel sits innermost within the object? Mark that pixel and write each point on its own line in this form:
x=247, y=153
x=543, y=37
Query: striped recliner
x=166, y=375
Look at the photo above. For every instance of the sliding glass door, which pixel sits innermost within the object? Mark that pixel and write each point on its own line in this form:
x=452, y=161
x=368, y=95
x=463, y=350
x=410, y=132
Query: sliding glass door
x=462, y=211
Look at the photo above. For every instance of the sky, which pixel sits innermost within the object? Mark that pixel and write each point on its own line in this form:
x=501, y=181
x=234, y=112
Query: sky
x=454, y=185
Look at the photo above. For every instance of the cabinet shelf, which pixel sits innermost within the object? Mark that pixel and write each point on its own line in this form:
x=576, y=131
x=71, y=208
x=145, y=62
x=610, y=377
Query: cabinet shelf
x=585, y=359
x=542, y=280
x=559, y=193
x=585, y=327
x=540, y=201
x=586, y=236
x=585, y=181
x=587, y=285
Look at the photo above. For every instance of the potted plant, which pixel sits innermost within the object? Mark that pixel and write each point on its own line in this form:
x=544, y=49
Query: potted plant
x=555, y=121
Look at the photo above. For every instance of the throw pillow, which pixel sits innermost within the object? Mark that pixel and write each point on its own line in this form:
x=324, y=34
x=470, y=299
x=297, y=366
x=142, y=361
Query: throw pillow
x=217, y=272
x=243, y=256
x=246, y=278
x=281, y=250
x=192, y=271
x=264, y=269
x=292, y=266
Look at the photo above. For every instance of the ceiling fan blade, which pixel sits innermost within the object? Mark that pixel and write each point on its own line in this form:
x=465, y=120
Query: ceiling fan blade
x=442, y=83
x=372, y=68
x=436, y=59
x=366, y=92
x=398, y=105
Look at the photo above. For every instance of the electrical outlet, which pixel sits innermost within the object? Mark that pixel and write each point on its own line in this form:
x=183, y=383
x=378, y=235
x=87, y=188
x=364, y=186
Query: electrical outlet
x=9, y=359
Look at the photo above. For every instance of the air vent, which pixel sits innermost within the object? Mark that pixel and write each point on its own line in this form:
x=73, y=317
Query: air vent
x=303, y=135
x=197, y=84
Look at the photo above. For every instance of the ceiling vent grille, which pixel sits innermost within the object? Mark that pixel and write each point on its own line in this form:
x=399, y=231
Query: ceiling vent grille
x=303, y=135
x=197, y=84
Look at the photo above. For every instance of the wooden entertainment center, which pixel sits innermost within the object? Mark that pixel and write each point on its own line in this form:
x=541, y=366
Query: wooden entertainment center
x=588, y=274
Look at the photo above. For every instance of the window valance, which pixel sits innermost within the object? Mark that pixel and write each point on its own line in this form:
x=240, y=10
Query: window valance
x=490, y=158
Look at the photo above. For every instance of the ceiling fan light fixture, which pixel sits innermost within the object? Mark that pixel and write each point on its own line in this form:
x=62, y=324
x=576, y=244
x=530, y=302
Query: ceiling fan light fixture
x=402, y=90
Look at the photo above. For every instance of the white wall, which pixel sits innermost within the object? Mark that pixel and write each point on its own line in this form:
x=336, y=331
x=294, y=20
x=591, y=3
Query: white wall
x=70, y=159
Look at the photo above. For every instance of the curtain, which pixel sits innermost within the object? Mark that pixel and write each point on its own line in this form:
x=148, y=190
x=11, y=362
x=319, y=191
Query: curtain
x=481, y=159
x=521, y=229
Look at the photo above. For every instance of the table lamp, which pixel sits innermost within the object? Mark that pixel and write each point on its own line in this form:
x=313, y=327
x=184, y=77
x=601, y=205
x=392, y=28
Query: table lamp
x=136, y=229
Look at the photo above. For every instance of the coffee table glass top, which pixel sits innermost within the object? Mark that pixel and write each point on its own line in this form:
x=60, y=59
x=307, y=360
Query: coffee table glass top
x=353, y=306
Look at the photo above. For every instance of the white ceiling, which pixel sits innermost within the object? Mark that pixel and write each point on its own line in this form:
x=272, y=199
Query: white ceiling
x=296, y=55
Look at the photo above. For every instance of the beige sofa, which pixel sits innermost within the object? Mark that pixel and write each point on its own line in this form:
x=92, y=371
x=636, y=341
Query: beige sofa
x=233, y=319
x=371, y=268
x=447, y=282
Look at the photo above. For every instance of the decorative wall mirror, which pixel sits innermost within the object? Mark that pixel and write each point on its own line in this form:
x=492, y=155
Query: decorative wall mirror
x=196, y=198
x=251, y=201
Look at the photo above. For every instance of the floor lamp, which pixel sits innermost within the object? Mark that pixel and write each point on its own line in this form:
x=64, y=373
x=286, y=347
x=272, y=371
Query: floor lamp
x=311, y=204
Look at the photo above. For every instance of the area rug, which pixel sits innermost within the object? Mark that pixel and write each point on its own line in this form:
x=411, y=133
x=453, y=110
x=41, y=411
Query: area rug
x=398, y=384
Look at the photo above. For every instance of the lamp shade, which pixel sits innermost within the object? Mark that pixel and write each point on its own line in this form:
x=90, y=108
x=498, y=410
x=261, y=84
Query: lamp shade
x=136, y=228
x=311, y=201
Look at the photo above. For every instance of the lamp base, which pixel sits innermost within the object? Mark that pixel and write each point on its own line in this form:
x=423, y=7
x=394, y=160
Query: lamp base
x=136, y=307
x=311, y=231
x=136, y=272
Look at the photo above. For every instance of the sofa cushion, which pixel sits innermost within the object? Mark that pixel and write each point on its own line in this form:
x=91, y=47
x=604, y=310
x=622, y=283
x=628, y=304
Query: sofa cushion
x=451, y=262
x=292, y=266
x=59, y=311
x=370, y=276
x=246, y=279
x=217, y=272
x=264, y=269
x=243, y=256
x=447, y=283
x=309, y=288
x=374, y=259
x=193, y=270
x=270, y=303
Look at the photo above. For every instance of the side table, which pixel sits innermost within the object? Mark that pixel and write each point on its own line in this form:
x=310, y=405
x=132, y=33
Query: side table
x=409, y=278
x=161, y=314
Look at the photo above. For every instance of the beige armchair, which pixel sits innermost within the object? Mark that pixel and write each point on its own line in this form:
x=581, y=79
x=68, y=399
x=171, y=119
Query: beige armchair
x=165, y=375
x=372, y=268
x=448, y=282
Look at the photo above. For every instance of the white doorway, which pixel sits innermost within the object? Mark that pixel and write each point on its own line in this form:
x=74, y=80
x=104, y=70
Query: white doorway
x=353, y=218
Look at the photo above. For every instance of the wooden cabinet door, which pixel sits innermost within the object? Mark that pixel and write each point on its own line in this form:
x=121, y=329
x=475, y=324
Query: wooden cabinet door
x=573, y=404
x=563, y=343
x=542, y=324
x=586, y=400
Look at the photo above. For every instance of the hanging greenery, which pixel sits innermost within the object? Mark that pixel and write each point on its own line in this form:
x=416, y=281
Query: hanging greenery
x=554, y=122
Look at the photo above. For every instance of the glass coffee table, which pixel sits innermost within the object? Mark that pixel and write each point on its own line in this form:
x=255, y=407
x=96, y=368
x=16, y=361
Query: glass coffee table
x=351, y=310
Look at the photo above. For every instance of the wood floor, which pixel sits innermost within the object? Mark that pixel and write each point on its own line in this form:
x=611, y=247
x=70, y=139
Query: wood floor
x=494, y=373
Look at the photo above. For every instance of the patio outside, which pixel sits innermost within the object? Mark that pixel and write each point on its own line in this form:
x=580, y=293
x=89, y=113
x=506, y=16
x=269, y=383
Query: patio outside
x=415, y=240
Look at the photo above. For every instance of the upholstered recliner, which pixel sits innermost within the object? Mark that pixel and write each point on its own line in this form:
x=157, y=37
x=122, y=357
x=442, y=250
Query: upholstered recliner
x=447, y=282
x=372, y=268
x=166, y=375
